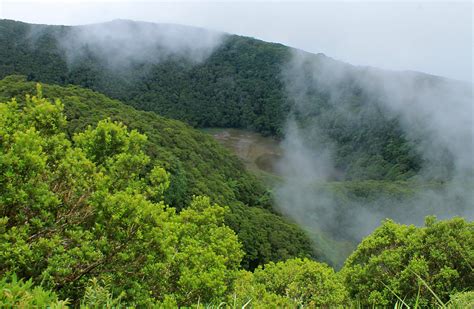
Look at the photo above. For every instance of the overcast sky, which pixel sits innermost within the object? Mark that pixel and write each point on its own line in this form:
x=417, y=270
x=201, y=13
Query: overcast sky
x=432, y=37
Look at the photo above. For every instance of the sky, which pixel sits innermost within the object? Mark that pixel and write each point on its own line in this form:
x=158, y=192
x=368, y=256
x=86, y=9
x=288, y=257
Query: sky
x=434, y=37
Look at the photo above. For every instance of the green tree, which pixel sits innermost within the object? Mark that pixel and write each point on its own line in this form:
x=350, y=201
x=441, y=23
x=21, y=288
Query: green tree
x=299, y=282
x=196, y=163
x=17, y=293
x=391, y=261
x=90, y=207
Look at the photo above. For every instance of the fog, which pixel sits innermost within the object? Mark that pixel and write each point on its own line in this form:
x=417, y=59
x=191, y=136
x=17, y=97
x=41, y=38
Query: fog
x=435, y=116
x=119, y=44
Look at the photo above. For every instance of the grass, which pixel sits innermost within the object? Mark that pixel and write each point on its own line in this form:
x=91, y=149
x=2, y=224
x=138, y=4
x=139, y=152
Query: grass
x=457, y=301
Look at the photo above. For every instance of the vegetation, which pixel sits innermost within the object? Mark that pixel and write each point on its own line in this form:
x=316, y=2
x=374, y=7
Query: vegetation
x=293, y=283
x=90, y=207
x=240, y=85
x=103, y=205
x=84, y=216
x=408, y=261
x=197, y=165
x=16, y=293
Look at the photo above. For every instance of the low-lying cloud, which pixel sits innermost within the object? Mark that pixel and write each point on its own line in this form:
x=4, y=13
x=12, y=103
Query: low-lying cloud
x=121, y=43
x=435, y=115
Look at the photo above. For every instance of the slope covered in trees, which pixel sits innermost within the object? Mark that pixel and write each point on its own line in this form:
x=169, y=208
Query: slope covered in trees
x=90, y=206
x=103, y=205
x=197, y=165
x=241, y=82
x=84, y=222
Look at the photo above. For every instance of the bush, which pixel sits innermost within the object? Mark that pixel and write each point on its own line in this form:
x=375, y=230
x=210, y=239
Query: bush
x=400, y=260
x=295, y=282
x=90, y=206
x=16, y=293
x=462, y=300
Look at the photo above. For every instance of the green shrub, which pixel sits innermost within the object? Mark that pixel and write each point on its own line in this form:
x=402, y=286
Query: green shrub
x=16, y=293
x=461, y=300
x=295, y=282
x=403, y=261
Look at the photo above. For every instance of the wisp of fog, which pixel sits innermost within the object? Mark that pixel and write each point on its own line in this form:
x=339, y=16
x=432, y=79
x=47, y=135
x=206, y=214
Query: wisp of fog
x=435, y=116
x=121, y=43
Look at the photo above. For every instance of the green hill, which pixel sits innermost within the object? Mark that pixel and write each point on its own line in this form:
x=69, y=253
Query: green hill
x=111, y=197
x=239, y=83
x=83, y=223
x=197, y=163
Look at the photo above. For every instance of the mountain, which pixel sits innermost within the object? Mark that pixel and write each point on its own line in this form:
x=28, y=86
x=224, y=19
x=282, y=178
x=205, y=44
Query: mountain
x=359, y=127
x=197, y=164
x=106, y=200
x=211, y=79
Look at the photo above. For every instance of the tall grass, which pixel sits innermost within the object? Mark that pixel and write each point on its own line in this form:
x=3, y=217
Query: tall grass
x=464, y=300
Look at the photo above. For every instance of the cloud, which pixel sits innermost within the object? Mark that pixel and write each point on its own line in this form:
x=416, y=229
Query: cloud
x=434, y=114
x=121, y=43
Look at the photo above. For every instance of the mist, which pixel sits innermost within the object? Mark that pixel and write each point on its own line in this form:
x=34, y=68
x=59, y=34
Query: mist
x=120, y=44
x=434, y=114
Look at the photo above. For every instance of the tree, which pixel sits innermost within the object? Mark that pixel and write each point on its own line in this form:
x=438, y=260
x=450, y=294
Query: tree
x=17, y=293
x=391, y=261
x=91, y=207
x=196, y=164
x=295, y=282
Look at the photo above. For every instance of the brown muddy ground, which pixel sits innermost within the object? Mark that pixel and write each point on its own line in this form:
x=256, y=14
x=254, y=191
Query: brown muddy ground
x=259, y=153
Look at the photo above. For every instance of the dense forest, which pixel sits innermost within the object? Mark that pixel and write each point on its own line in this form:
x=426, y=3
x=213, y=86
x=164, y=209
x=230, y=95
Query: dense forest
x=197, y=165
x=111, y=197
x=85, y=220
x=240, y=85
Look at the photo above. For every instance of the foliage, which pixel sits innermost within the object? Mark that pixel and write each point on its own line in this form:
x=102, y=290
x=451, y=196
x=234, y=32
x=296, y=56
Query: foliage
x=461, y=300
x=267, y=237
x=254, y=294
x=75, y=210
x=293, y=283
x=405, y=260
x=97, y=295
x=112, y=212
x=239, y=85
x=306, y=282
x=16, y=293
x=197, y=165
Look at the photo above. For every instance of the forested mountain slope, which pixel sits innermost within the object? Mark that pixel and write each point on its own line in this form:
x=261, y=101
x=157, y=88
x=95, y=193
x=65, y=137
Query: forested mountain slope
x=110, y=204
x=197, y=164
x=228, y=81
x=368, y=124
x=83, y=223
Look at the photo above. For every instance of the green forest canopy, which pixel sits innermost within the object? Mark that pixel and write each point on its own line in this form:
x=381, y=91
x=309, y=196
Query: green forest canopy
x=239, y=85
x=83, y=222
x=197, y=165
x=102, y=204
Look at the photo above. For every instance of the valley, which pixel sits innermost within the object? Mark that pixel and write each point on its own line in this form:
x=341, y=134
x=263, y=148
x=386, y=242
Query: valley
x=124, y=181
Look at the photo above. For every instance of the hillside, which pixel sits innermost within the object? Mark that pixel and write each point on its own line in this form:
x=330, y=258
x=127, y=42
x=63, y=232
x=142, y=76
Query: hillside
x=197, y=164
x=159, y=165
x=84, y=223
x=234, y=81
x=351, y=127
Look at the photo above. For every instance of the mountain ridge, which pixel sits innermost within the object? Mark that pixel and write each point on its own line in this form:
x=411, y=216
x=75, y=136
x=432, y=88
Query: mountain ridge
x=125, y=20
x=232, y=82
